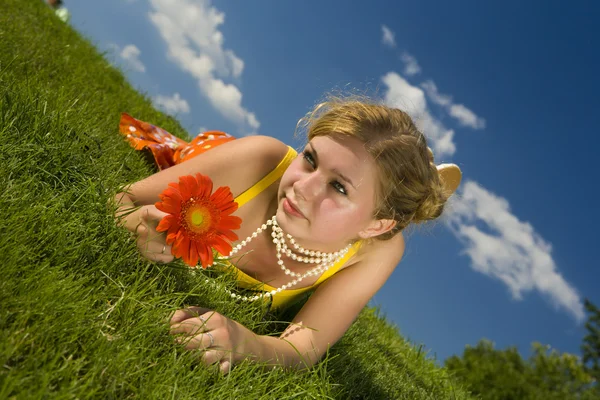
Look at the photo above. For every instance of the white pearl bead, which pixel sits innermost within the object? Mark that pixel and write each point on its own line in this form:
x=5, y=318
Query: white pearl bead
x=323, y=260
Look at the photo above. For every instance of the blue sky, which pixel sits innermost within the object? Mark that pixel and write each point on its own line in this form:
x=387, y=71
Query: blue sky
x=508, y=91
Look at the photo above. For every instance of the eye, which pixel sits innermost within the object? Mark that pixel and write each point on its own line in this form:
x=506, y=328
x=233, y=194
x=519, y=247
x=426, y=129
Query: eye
x=309, y=158
x=339, y=187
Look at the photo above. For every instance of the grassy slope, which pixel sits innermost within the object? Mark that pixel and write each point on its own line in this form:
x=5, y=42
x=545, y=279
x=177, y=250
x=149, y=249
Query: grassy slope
x=81, y=314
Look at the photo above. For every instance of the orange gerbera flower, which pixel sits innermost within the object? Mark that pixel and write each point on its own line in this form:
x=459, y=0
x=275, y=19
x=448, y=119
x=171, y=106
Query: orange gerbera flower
x=198, y=221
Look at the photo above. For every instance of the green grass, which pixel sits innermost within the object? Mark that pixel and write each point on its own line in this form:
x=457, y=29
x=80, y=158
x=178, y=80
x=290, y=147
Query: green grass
x=81, y=314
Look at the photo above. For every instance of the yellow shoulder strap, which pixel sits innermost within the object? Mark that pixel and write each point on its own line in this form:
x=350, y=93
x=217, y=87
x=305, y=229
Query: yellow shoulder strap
x=336, y=267
x=268, y=179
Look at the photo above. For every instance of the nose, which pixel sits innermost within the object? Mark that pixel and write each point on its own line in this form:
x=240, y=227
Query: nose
x=309, y=186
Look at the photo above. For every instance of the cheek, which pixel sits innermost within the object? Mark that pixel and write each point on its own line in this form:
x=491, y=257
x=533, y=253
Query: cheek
x=287, y=180
x=291, y=174
x=338, y=211
x=350, y=214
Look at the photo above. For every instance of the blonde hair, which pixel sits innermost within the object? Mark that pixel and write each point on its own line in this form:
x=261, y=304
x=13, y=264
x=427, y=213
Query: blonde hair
x=409, y=187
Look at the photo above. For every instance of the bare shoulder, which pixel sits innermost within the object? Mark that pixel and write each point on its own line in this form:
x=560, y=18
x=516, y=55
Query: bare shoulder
x=237, y=164
x=381, y=255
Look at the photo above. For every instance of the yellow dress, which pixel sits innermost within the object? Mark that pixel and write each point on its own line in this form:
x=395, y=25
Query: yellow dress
x=284, y=297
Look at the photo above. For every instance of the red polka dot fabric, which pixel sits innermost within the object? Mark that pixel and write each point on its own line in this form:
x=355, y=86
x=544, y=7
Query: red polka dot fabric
x=167, y=149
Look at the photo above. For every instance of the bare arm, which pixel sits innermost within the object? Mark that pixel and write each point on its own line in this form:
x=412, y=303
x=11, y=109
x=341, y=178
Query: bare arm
x=237, y=164
x=330, y=311
x=320, y=324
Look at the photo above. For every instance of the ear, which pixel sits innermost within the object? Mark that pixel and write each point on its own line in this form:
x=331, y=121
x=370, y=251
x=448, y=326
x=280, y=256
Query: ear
x=376, y=228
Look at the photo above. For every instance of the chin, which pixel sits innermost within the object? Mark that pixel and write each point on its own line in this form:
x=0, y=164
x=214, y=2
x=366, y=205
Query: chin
x=288, y=224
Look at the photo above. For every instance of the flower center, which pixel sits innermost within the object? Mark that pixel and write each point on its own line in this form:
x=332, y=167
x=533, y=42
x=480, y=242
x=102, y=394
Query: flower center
x=197, y=217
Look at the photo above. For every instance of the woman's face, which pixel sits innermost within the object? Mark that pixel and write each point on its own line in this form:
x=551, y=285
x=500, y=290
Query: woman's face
x=332, y=183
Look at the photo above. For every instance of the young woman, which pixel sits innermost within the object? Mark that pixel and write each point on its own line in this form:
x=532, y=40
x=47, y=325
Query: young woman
x=330, y=218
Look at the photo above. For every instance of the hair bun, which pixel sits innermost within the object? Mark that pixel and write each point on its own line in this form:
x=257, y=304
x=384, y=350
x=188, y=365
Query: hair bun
x=441, y=189
x=450, y=175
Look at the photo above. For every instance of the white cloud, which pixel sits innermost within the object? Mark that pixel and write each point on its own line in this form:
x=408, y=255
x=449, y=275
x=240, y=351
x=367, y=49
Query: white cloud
x=466, y=117
x=508, y=250
x=498, y=244
x=194, y=42
x=131, y=54
x=462, y=114
x=411, y=99
x=434, y=95
x=411, y=66
x=173, y=105
x=388, y=36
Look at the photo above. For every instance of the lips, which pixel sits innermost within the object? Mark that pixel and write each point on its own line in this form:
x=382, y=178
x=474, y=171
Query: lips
x=294, y=206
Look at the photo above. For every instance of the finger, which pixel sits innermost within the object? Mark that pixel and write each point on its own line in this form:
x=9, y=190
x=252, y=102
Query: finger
x=140, y=227
x=155, y=256
x=200, y=342
x=164, y=256
x=190, y=326
x=212, y=356
x=225, y=366
x=188, y=312
x=153, y=215
x=153, y=250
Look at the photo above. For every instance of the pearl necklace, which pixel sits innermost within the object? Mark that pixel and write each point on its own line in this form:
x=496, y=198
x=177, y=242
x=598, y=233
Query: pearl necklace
x=324, y=260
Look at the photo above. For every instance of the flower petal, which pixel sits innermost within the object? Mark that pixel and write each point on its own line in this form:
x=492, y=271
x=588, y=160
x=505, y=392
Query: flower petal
x=223, y=198
x=204, y=253
x=193, y=253
x=205, y=185
x=171, y=238
x=171, y=191
x=185, y=187
x=174, y=228
x=169, y=205
x=210, y=257
x=221, y=245
x=185, y=250
x=193, y=185
x=177, y=249
x=226, y=233
x=166, y=223
x=230, y=222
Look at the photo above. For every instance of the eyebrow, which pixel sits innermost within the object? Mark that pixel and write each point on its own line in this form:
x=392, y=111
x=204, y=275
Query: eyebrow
x=338, y=173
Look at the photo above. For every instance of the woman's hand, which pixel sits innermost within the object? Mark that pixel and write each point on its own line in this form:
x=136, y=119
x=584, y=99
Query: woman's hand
x=221, y=340
x=152, y=244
